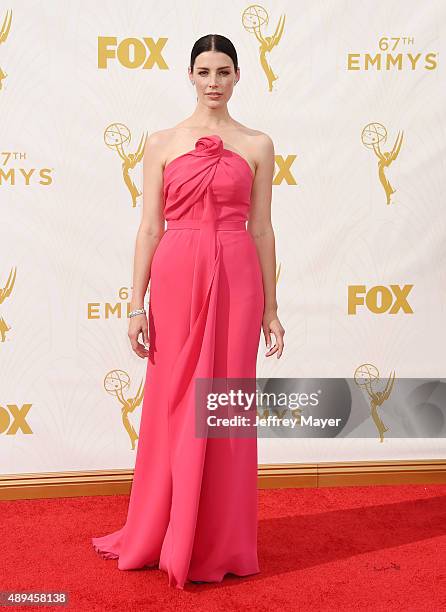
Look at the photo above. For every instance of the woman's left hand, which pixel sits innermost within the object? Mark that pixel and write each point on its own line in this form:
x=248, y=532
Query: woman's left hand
x=271, y=324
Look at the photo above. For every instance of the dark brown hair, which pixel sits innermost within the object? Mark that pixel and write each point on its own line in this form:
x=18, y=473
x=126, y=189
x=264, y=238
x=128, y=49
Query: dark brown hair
x=213, y=42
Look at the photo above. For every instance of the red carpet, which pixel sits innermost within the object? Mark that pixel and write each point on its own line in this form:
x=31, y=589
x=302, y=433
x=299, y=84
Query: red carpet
x=354, y=548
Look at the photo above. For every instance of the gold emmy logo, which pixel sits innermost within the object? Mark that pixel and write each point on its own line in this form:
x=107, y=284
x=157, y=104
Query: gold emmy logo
x=278, y=268
x=5, y=292
x=116, y=135
x=372, y=136
x=22, y=176
x=4, y=32
x=379, y=299
x=395, y=53
x=114, y=309
x=254, y=18
x=365, y=375
x=116, y=383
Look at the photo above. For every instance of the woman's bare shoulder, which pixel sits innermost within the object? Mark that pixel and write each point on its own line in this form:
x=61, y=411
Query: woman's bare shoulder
x=158, y=144
x=167, y=138
x=249, y=135
x=258, y=138
x=264, y=144
x=161, y=137
x=258, y=144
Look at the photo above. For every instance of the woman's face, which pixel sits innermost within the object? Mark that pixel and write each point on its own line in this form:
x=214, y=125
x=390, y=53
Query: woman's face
x=214, y=73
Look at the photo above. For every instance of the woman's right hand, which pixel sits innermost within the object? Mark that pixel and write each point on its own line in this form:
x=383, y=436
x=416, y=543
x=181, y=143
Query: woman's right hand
x=138, y=325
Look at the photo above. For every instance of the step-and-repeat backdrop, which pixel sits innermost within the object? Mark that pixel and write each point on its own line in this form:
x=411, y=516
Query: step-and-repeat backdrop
x=353, y=95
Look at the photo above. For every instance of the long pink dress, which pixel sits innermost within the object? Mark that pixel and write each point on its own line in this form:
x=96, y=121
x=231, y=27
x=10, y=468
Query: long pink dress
x=193, y=503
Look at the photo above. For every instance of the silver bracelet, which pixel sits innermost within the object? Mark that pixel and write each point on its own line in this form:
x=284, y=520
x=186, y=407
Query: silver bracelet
x=137, y=312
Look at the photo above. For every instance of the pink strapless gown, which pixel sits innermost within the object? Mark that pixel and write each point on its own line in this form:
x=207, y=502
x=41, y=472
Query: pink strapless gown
x=193, y=503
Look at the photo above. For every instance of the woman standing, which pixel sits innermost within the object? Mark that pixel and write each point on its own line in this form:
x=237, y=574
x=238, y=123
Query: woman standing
x=193, y=504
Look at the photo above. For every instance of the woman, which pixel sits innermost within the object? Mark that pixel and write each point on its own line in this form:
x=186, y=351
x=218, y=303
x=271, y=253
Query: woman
x=193, y=504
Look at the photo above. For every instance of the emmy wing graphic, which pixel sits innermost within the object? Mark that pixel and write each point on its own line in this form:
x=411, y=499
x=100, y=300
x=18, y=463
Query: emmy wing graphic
x=365, y=374
x=253, y=19
x=115, y=383
x=5, y=292
x=372, y=135
x=116, y=136
x=4, y=31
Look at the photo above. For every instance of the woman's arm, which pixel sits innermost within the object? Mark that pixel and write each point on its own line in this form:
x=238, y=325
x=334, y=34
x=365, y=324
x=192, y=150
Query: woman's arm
x=261, y=229
x=150, y=232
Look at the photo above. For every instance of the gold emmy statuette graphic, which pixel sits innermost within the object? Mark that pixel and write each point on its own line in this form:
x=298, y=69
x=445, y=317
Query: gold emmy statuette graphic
x=278, y=272
x=115, y=383
x=253, y=19
x=116, y=135
x=372, y=135
x=4, y=31
x=365, y=375
x=5, y=292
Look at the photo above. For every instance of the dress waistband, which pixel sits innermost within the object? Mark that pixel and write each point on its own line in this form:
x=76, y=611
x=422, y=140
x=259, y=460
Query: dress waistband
x=196, y=224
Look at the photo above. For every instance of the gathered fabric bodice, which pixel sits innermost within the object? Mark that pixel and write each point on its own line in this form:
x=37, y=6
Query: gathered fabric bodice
x=208, y=182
